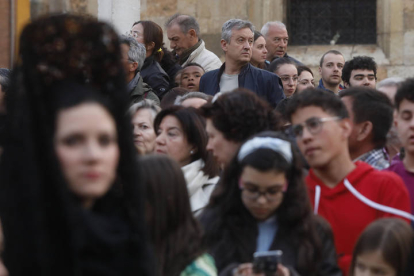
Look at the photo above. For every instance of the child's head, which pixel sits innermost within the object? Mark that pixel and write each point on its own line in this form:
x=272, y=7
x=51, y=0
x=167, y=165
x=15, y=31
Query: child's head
x=191, y=75
x=383, y=248
x=404, y=121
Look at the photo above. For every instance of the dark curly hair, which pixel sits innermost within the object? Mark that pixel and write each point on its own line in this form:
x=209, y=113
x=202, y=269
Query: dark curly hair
x=359, y=62
x=240, y=114
x=405, y=92
x=193, y=126
x=231, y=231
x=326, y=100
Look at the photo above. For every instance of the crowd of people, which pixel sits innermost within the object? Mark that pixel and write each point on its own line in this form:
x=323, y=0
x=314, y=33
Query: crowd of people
x=120, y=157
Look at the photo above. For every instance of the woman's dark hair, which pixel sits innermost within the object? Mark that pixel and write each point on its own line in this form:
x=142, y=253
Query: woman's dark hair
x=393, y=237
x=231, y=230
x=257, y=34
x=302, y=68
x=277, y=63
x=170, y=97
x=65, y=60
x=193, y=126
x=241, y=114
x=175, y=233
x=153, y=33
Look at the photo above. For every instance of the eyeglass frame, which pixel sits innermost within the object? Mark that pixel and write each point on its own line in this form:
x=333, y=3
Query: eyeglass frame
x=133, y=34
x=306, y=124
x=266, y=193
x=287, y=79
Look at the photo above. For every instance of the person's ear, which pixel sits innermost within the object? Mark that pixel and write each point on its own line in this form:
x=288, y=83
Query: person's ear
x=365, y=129
x=395, y=119
x=134, y=66
x=320, y=70
x=223, y=45
x=346, y=84
x=193, y=150
x=192, y=33
x=150, y=46
x=346, y=127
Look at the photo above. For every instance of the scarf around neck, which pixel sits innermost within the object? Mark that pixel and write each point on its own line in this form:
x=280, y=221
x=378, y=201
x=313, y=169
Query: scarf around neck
x=186, y=54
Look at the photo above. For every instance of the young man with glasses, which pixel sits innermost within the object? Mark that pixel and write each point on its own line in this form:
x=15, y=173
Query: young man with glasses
x=341, y=191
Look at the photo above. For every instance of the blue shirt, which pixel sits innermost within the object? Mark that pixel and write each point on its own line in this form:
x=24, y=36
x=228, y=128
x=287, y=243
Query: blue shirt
x=321, y=86
x=267, y=233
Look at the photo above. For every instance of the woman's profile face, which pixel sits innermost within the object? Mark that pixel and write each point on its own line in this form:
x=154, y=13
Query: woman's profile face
x=138, y=33
x=373, y=264
x=172, y=141
x=259, y=50
x=144, y=134
x=87, y=148
x=262, y=192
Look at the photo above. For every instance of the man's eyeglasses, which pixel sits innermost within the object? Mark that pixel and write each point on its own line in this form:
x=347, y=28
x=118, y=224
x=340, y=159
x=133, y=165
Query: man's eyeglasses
x=313, y=125
x=271, y=194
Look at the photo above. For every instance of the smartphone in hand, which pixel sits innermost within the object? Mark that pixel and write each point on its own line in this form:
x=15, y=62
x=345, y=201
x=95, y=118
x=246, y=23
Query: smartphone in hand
x=266, y=262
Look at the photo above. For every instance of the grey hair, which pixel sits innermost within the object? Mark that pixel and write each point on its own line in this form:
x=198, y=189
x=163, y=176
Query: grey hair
x=200, y=95
x=265, y=28
x=145, y=104
x=137, y=52
x=393, y=81
x=186, y=23
x=238, y=24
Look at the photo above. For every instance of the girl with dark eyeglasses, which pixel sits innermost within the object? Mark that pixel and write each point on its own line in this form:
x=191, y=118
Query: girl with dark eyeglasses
x=261, y=204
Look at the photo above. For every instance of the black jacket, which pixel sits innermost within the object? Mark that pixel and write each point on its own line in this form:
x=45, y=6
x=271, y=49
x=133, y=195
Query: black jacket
x=265, y=84
x=326, y=267
x=155, y=76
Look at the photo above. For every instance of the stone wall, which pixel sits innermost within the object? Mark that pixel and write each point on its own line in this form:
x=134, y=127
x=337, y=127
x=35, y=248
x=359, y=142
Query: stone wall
x=5, y=34
x=212, y=14
x=394, y=51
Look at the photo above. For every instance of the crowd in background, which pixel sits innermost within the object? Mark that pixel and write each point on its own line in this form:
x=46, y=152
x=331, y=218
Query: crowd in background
x=121, y=157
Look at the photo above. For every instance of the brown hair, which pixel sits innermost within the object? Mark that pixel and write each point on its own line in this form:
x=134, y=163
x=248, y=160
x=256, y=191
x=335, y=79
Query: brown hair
x=175, y=233
x=153, y=33
x=193, y=126
x=392, y=237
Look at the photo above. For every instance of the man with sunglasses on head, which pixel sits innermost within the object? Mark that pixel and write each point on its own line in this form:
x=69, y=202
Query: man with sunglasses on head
x=341, y=191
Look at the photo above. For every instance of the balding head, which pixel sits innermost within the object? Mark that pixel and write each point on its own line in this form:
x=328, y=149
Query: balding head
x=277, y=38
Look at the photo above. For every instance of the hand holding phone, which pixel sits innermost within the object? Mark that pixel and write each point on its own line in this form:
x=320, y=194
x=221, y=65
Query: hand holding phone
x=267, y=262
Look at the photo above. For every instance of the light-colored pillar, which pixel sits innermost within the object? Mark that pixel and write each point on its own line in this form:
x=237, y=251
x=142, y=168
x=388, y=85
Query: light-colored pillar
x=120, y=13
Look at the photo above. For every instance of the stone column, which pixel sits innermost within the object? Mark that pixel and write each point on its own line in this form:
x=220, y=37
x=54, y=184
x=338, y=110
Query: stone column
x=121, y=13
